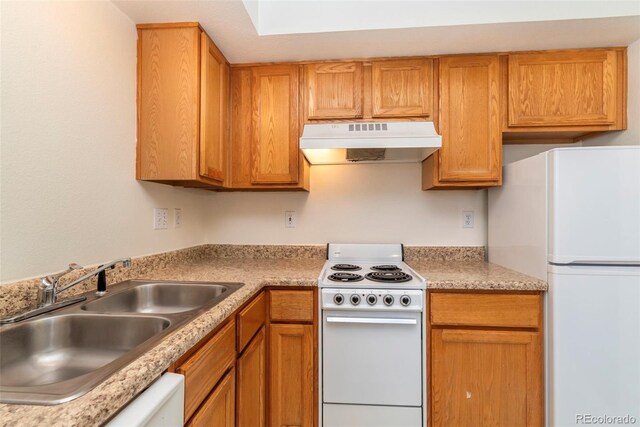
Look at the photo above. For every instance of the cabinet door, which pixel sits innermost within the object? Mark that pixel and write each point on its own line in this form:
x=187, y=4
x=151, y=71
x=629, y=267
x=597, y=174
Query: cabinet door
x=214, y=95
x=206, y=366
x=402, y=88
x=252, y=383
x=274, y=148
x=291, y=394
x=168, y=104
x=486, y=378
x=563, y=88
x=470, y=119
x=334, y=90
x=219, y=409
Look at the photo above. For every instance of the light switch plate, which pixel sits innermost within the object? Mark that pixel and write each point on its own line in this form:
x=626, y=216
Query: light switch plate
x=290, y=219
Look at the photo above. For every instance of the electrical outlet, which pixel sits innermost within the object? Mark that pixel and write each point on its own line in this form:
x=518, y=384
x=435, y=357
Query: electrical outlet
x=177, y=217
x=160, y=218
x=467, y=219
x=290, y=219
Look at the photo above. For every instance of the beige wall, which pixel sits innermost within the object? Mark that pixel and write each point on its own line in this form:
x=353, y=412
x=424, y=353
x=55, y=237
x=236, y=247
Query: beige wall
x=67, y=162
x=68, y=143
x=352, y=203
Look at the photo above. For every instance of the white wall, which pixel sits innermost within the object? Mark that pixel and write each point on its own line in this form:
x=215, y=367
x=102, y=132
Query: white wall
x=299, y=17
x=68, y=143
x=352, y=203
x=514, y=152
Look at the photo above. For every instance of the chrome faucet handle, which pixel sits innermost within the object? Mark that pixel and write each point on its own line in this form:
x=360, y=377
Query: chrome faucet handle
x=54, y=278
x=48, y=285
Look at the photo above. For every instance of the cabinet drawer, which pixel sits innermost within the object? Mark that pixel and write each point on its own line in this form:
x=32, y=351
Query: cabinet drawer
x=219, y=408
x=500, y=310
x=250, y=319
x=291, y=306
x=203, y=370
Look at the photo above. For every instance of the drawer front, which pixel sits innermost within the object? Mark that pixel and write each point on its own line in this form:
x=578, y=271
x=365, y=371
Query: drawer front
x=203, y=370
x=291, y=306
x=219, y=408
x=251, y=319
x=499, y=310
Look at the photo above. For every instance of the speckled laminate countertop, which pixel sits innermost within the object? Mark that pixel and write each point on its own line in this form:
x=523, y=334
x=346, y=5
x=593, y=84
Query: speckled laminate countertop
x=474, y=275
x=105, y=400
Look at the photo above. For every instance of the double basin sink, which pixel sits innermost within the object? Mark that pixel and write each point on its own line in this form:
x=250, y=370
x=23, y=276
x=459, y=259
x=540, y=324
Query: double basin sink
x=59, y=356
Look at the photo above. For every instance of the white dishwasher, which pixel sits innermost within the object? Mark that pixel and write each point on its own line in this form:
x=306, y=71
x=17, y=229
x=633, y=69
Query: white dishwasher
x=161, y=405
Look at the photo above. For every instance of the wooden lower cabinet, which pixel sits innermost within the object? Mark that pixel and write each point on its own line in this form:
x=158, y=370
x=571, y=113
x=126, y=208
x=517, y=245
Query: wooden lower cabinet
x=252, y=392
x=203, y=370
x=291, y=377
x=219, y=409
x=254, y=371
x=485, y=359
x=486, y=378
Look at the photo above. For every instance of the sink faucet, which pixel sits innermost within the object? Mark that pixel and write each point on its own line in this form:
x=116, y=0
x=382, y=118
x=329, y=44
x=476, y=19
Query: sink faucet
x=48, y=291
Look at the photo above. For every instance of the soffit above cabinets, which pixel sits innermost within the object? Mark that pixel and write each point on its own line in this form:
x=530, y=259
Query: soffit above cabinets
x=447, y=30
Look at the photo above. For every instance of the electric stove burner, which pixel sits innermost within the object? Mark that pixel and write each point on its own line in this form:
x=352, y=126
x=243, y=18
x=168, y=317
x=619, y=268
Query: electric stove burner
x=345, y=277
x=346, y=267
x=386, y=267
x=389, y=276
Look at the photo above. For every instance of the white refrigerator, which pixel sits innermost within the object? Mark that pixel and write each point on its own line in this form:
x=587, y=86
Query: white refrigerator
x=571, y=216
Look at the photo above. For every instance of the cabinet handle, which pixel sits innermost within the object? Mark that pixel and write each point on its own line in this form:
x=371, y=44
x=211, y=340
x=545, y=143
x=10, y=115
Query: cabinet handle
x=372, y=320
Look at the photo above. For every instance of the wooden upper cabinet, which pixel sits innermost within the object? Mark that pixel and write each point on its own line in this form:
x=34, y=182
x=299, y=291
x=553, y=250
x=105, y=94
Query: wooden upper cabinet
x=333, y=90
x=402, y=88
x=249, y=126
x=182, y=104
x=276, y=128
x=471, y=153
x=571, y=88
x=213, y=115
x=168, y=108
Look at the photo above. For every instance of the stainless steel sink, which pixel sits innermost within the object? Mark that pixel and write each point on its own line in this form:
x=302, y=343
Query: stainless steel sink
x=158, y=298
x=56, y=349
x=59, y=356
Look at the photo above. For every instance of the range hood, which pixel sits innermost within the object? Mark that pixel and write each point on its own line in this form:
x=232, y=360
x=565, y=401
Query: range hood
x=393, y=142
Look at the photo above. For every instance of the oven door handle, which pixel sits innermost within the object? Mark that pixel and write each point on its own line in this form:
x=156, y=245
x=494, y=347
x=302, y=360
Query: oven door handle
x=372, y=320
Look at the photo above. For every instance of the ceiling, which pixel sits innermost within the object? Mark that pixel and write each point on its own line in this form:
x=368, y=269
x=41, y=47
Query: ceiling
x=321, y=29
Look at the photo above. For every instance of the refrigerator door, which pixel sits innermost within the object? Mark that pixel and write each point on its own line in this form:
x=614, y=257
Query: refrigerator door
x=593, y=343
x=594, y=205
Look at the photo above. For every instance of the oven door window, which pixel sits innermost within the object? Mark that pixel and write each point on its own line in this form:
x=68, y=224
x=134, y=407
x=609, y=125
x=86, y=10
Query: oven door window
x=372, y=358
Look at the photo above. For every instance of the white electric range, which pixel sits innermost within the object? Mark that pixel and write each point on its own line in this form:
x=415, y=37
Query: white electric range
x=372, y=367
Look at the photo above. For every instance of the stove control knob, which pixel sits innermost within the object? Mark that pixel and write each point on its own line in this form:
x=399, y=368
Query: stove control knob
x=338, y=299
x=405, y=300
x=355, y=299
x=372, y=299
x=388, y=300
